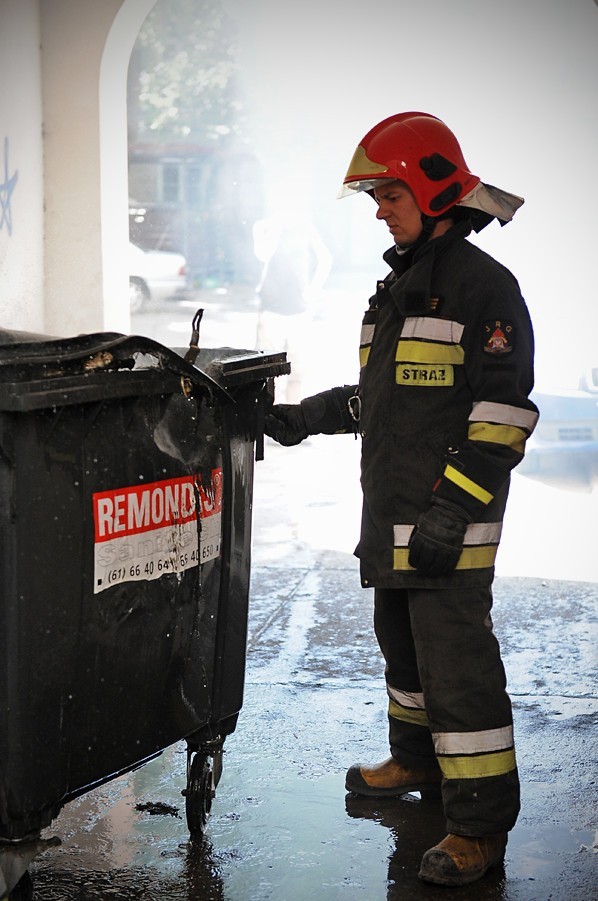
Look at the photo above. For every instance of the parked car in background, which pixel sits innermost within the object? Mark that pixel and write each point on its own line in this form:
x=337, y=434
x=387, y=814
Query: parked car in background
x=563, y=450
x=155, y=275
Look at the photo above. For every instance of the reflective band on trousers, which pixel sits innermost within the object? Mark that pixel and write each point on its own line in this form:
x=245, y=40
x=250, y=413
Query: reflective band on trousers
x=474, y=742
x=478, y=766
x=474, y=755
x=406, y=698
x=407, y=706
x=407, y=714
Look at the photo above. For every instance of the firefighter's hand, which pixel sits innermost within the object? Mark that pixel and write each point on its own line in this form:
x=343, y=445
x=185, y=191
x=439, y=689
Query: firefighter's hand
x=286, y=424
x=437, y=540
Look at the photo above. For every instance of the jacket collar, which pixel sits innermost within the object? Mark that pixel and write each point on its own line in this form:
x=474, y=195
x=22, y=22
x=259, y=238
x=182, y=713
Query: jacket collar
x=412, y=288
x=400, y=262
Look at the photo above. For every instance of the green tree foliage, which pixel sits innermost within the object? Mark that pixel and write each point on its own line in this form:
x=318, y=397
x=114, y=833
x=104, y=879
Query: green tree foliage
x=184, y=75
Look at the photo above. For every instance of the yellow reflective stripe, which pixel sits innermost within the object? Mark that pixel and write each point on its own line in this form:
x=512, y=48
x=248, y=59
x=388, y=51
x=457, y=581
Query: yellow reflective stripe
x=467, y=485
x=480, y=742
x=511, y=436
x=478, y=766
x=400, y=559
x=479, y=557
x=407, y=714
x=432, y=329
x=428, y=352
x=504, y=414
x=364, y=353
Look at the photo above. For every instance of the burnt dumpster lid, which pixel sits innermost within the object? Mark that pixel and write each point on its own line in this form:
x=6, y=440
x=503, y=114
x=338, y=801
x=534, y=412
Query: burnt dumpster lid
x=232, y=366
x=39, y=370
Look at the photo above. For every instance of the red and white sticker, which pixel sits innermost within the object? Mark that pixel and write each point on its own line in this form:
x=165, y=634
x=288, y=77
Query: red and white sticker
x=145, y=531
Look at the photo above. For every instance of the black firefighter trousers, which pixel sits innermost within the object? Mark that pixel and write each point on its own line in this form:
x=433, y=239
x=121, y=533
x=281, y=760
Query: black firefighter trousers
x=448, y=700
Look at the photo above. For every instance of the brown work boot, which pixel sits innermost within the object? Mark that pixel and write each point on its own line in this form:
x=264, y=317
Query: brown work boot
x=461, y=859
x=391, y=779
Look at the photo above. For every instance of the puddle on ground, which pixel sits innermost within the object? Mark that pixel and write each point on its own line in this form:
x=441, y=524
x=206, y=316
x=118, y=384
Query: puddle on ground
x=287, y=837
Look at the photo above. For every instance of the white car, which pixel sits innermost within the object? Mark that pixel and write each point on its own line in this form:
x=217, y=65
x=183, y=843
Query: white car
x=155, y=275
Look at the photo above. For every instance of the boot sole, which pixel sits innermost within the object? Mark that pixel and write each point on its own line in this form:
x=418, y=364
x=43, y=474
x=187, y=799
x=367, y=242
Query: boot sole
x=428, y=791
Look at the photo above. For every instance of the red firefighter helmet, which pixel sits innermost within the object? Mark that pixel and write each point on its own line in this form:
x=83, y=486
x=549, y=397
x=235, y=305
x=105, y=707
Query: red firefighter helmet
x=421, y=151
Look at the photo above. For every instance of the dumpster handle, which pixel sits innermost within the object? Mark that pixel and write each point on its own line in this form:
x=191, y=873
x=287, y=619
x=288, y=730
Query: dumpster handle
x=191, y=355
x=262, y=401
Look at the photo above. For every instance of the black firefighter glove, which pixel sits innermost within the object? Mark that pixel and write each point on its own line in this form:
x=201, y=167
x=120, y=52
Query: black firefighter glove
x=436, y=542
x=323, y=413
x=286, y=424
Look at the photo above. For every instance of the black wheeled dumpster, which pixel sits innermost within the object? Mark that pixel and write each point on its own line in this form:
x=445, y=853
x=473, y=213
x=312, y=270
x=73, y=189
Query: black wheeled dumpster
x=126, y=478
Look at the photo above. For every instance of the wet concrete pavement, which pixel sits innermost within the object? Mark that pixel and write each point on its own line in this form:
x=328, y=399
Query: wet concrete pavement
x=282, y=826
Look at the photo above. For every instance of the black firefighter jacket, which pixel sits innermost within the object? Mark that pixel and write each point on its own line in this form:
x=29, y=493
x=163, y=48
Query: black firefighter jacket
x=446, y=369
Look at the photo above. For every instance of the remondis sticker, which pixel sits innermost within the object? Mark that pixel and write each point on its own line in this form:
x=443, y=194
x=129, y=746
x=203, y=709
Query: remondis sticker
x=145, y=531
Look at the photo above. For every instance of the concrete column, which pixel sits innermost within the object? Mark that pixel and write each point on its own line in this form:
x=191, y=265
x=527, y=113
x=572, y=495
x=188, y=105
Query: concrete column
x=114, y=177
x=85, y=49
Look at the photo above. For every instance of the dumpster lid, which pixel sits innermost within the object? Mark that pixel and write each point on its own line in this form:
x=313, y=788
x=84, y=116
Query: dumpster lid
x=34, y=367
x=232, y=366
x=37, y=370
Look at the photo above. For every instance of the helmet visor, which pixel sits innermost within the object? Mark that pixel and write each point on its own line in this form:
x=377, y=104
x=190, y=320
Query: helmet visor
x=362, y=184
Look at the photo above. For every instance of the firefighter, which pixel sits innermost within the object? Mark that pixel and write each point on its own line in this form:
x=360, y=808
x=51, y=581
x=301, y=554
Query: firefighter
x=443, y=410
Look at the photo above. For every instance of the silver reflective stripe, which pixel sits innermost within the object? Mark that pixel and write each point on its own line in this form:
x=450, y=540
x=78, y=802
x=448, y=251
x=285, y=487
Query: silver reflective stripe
x=407, y=698
x=477, y=533
x=488, y=411
x=402, y=534
x=432, y=329
x=367, y=333
x=473, y=742
x=483, y=533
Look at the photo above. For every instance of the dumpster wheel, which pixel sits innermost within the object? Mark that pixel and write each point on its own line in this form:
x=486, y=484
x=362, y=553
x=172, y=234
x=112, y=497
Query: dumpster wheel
x=199, y=793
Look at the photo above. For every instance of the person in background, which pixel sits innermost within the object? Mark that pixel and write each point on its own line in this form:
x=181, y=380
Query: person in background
x=443, y=410
x=296, y=263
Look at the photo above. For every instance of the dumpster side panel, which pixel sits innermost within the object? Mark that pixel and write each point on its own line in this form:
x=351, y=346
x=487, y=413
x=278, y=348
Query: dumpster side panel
x=43, y=535
x=98, y=680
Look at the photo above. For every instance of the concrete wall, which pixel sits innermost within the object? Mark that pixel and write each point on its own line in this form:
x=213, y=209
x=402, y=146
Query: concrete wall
x=63, y=163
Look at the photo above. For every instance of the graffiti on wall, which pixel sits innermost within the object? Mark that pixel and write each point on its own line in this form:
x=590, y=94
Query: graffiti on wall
x=6, y=190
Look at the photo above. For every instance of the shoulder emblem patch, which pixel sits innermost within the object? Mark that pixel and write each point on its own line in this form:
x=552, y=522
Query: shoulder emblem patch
x=499, y=337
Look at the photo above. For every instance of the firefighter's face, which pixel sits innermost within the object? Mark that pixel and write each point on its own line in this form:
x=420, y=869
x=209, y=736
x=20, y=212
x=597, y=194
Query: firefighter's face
x=397, y=207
